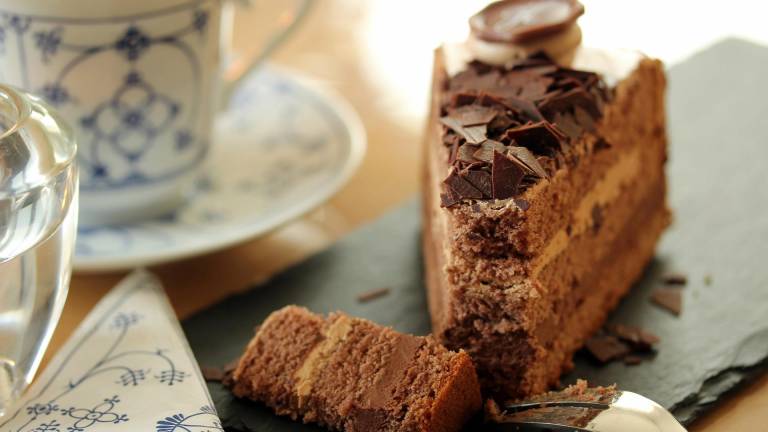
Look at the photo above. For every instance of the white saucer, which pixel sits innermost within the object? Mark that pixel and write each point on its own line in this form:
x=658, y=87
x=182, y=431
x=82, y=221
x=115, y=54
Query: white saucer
x=283, y=147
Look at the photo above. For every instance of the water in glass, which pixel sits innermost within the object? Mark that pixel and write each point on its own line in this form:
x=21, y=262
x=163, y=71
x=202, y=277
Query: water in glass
x=38, y=217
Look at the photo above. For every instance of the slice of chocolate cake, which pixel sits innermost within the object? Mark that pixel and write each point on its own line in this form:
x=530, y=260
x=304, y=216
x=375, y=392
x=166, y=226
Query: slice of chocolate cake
x=353, y=375
x=545, y=195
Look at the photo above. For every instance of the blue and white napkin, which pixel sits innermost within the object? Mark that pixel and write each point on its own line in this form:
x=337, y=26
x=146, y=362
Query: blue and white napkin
x=128, y=367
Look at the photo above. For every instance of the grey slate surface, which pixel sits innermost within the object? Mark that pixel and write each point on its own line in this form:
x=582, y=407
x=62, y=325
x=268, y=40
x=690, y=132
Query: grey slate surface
x=719, y=195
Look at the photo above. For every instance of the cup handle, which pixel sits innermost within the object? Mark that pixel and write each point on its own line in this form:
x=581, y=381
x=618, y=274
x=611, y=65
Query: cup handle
x=287, y=23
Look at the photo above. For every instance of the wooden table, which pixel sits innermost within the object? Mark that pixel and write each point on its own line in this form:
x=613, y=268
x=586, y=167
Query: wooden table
x=378, y=55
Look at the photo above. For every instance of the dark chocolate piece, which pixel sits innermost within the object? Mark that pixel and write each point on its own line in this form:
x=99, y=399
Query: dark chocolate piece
x=505, y=176
x=473, y=134
x=480, y=180
x=639, y=339
x=675, y=279
x=486, y=149
x=372, y=294
x=668, y=298
x=449, y=198
x=606, y=348
x=466, y=153
x=540, y=137
x=212, y=373
x=528, y=160
x=462, y=187
x=472, y=116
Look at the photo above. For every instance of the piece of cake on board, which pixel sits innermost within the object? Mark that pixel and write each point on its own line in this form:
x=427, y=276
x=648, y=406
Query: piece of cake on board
x=350, y=374
x=545, y=191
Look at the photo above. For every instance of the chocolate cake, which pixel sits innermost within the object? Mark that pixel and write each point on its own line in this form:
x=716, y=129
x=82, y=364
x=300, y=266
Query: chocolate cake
x=545, y=195
x=353, y=375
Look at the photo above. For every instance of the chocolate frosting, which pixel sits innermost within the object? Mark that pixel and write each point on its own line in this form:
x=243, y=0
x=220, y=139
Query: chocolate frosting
x=516, y=21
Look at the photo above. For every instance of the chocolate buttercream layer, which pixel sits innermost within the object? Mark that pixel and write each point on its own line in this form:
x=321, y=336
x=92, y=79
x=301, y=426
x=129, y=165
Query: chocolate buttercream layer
x=355, y=375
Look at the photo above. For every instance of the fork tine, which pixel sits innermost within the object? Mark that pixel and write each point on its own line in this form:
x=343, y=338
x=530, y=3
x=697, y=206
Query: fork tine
x=524, y=406
x=532, y=427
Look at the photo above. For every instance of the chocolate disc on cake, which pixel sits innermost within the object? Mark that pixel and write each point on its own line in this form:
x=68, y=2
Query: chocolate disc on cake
x=523, y=20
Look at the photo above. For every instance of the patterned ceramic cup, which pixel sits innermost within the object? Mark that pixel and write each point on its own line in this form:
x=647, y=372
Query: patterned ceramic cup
x=139, y=80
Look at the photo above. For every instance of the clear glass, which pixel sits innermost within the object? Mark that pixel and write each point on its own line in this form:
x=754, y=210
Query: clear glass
x=38, y=218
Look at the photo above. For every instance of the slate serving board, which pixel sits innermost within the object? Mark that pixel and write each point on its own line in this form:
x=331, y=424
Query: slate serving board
x=719, y=195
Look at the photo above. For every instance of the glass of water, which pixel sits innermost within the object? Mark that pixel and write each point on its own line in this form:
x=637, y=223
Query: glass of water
x=38, y=218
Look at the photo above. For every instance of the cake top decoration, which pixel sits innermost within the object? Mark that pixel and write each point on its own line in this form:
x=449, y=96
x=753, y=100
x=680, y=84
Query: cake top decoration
x=509, y=126
x=523, y=20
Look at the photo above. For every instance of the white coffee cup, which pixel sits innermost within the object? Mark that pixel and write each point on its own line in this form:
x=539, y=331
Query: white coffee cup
x=140, y=81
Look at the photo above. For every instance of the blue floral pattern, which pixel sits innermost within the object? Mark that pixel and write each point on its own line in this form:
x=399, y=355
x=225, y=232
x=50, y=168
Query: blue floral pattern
x=118, y=382
x=188, y=423
x=301, y=148
x=122, y=129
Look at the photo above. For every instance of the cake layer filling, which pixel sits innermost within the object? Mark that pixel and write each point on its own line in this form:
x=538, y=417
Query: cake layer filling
x=315, y=361
x=586, y=306
x=618, y=177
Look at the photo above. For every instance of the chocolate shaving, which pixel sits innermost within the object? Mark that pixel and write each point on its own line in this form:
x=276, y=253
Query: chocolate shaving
x=568, y=124
x=472, y=115
x=525, y=107
x=637, y=338
x=606, y=348
x=577, y=97
x=539, y=137
x=584, y=119
x=449, y=198
x=480, y=180
x=451, y=139
x=486, y=149
x=473, y=134
x=528, y=160
x=465, y=153
x=622, y=342
x=501, y=123
x=670, y=299
x=675, y=279
x=505, y=175
x=462, y=187
x=372, y=294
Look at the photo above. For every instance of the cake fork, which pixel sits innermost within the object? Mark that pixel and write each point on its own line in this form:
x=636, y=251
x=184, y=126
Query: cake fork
x=625, y=412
